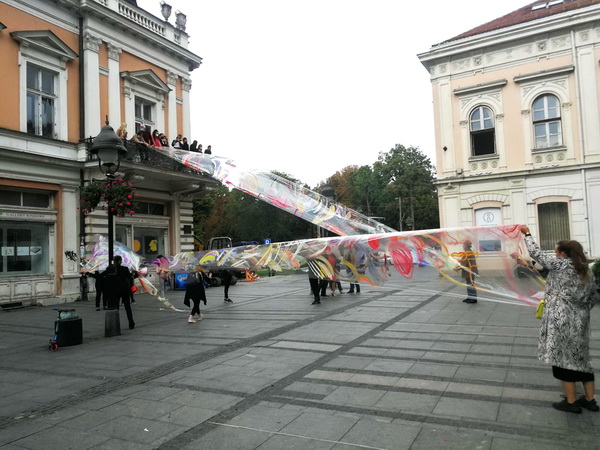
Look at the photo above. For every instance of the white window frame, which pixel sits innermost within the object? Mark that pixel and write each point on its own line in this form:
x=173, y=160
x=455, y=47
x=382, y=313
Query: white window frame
x=546, y=122
x=40, y=96
x=32, y=54
x=153, y=113
x=482, y=109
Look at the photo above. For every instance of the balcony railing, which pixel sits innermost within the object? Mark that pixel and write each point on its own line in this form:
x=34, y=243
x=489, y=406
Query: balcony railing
x=143, y=19
x=141, y=155
x=156, y=25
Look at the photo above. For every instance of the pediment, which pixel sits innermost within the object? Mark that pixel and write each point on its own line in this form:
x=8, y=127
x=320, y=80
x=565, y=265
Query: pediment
x=46, y=42
x=146, y=78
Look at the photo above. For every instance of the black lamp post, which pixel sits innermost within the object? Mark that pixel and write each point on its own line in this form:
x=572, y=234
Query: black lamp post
x=109, y=149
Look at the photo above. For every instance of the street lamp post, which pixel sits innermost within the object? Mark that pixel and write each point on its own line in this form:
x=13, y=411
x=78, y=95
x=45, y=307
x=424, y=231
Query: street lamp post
x=109, y=149
x=400, y=213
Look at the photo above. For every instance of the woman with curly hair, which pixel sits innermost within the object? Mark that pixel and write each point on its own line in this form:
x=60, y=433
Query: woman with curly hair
x=564, y=342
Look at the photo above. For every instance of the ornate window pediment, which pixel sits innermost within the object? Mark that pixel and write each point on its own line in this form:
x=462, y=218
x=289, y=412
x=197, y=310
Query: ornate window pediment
x=44, y=41
x=148, y=79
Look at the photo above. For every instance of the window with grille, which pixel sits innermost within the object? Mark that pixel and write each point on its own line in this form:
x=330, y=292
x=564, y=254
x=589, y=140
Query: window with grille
x=547, y=121
x=483, y=133
x=553, y=220
x=41, y=102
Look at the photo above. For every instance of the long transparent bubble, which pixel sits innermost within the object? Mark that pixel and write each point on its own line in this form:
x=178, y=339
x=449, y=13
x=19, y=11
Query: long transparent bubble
x=431, y=257
x=279, y=192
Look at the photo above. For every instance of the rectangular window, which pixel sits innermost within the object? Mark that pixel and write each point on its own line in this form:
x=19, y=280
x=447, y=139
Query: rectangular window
x=149, y=242
x=143, y=113
x=483, y=143
x=41, y=102
x=30, y=199
x=23, y=248
x=554, y=224
x=154, y=209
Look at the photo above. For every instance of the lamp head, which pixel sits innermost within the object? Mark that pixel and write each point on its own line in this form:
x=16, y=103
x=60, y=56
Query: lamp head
x=109, y=149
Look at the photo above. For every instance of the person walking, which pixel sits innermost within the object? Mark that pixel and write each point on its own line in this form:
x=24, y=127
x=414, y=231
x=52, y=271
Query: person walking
x=227, y=278
x=468, y=267
x=194, y=291
x=564, y=343
x=313, y=278
x=99, y=286
x=118, y=282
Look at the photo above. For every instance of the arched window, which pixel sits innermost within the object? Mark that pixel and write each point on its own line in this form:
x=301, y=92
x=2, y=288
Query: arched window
x=482, y=132
x=546, y=121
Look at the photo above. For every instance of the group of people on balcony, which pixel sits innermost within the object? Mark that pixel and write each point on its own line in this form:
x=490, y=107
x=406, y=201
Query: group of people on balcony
x=157, y=139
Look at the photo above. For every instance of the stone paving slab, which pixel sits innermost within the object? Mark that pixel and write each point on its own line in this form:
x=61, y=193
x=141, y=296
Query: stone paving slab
x=395, y=367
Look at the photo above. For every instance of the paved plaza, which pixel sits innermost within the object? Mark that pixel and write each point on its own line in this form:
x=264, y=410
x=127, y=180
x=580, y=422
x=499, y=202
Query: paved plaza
x=404, y=366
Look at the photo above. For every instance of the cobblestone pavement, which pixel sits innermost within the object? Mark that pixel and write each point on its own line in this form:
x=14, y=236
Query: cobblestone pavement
x=405, y=366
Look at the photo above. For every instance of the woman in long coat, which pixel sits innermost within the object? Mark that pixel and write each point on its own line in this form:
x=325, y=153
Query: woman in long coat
x=564, y=343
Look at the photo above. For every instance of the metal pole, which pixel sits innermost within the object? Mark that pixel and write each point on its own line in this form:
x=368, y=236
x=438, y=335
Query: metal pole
x=400, y=213
x=412, y=210
x=111, y=237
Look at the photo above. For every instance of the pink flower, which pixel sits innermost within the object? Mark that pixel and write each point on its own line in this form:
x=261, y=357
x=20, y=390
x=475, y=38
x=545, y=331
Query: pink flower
x=131, y=212
x=130, y=196
x=128, y=203
x=120, y=179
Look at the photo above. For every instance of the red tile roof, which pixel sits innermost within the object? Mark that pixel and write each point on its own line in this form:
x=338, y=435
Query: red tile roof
x=526, y=14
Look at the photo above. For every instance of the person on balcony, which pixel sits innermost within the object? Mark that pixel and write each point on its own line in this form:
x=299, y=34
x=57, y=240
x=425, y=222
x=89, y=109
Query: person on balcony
x=163, y=140
x=122, y=131
x=176, y=142
x=194, y=146
x=155, y=140
x=208, y=151
x=184, y=144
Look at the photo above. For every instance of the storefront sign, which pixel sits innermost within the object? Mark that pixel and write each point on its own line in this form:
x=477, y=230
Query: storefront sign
x=26, y=215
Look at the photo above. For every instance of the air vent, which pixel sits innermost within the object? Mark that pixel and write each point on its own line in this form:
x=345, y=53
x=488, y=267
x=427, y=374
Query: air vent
x=538, y=6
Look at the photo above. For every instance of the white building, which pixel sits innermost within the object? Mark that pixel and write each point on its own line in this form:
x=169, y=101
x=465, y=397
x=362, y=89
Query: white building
x=517, y=123
x=66, y=66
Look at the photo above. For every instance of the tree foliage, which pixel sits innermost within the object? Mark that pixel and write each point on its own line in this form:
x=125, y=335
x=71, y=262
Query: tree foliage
x=245, y=218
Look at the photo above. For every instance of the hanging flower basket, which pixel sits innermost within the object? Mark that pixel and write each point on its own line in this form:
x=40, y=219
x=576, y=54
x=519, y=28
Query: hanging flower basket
x=116, y=196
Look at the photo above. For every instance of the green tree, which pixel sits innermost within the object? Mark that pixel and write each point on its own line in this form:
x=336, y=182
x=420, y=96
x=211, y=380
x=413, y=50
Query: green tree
x=408, y=176
x=242, y=217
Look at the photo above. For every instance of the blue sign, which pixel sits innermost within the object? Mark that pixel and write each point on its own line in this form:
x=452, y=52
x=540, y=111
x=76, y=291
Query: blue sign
x=180, y=281
x=267, y=241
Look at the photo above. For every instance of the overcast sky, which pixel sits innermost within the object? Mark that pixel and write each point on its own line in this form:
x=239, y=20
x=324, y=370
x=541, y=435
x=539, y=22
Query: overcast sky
x=309, y=87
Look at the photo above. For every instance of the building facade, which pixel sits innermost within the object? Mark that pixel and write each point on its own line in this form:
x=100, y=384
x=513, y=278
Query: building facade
x=67, y=66
x=517, y=123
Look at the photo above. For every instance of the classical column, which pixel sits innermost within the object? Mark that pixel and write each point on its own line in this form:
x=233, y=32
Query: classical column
x=172, y=121
x=187, y=86
x=114, y=88
x=91, y=73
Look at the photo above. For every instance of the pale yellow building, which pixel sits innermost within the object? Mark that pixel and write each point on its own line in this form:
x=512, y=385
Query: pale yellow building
x=517, y=123
x=66, y=66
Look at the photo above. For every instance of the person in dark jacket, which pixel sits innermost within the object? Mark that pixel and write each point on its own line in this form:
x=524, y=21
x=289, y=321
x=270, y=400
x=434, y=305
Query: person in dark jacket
x=469, y=270
x=99, y=285
x=194, y=290
x=118, y=282
x=227, y=278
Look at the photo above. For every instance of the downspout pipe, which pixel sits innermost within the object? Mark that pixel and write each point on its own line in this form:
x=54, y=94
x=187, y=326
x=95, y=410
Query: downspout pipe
x=82, y=234
x=581, y=141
